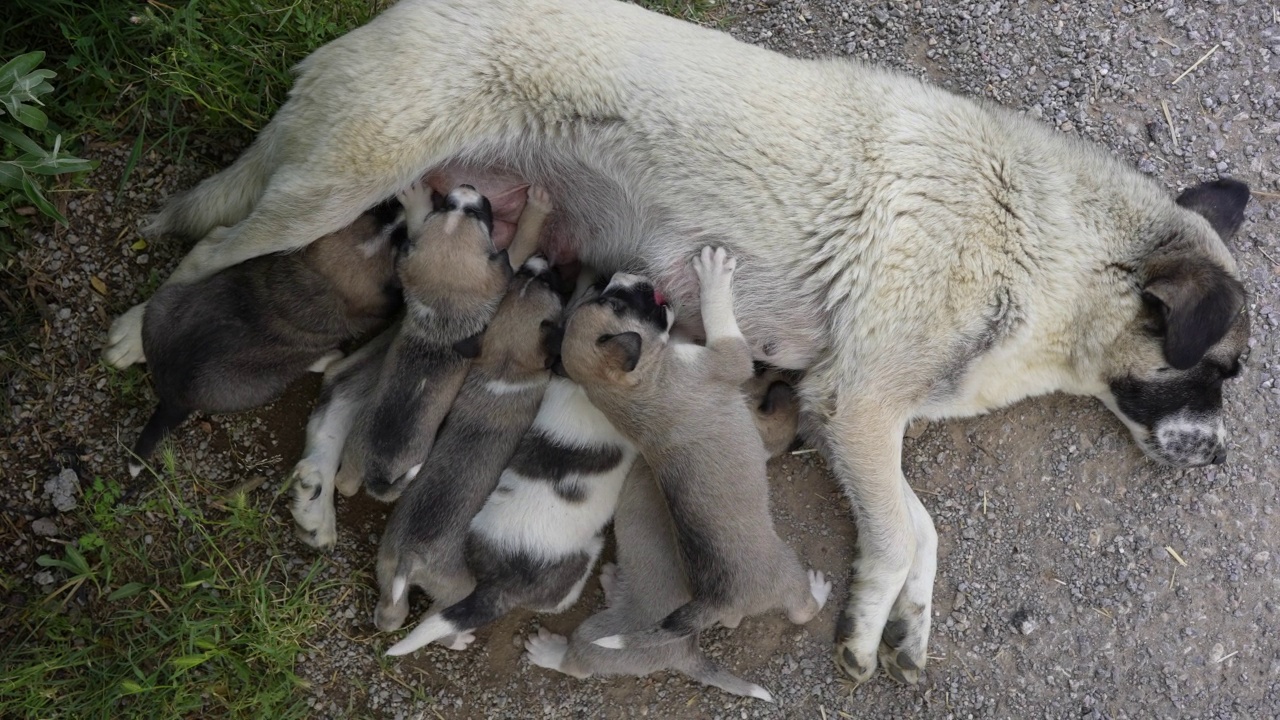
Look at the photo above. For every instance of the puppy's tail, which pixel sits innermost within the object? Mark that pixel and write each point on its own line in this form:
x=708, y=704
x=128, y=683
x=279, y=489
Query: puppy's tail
x=686, y=620
x=162, y=422
x=475, y=610
x=708, y=673
x=224, y=199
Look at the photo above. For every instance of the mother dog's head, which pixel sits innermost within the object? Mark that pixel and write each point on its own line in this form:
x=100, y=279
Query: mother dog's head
x=1164, y=374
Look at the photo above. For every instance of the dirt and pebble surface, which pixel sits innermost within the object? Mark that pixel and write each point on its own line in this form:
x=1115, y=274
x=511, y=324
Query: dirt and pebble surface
x=1075, y=578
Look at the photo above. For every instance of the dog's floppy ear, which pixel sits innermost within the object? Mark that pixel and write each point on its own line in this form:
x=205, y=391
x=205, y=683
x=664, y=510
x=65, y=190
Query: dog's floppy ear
x=552, y=339
x=1221, y=202
x=622, y=349
x=1198, y=300
x=469, y=348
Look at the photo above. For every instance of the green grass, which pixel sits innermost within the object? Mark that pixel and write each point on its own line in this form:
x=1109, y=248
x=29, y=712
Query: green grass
x=165, y=70
x=164, y=610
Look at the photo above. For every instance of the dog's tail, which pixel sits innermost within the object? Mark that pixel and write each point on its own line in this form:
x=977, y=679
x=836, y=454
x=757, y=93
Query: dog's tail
x=224, y=199
x=166, y=417
x=393, y=601
x=475, y=610
x=708, y=673
x=379, y=484
x=686, y=620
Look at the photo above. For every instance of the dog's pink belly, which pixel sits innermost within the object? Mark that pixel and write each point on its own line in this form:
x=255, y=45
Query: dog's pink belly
x=780, y=332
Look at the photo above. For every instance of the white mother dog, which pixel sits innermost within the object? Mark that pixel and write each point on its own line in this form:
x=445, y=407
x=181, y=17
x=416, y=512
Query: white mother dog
x=921, y=254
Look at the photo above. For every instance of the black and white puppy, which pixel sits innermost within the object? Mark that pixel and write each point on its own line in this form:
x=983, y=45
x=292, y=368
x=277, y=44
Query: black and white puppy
x=538, y=535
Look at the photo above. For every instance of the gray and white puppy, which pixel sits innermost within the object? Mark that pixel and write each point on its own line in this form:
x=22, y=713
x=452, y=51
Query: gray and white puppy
x=424, y=541
x=235, y=340
x=650, y=581
x=350, y=382
x=453, y=279
x=534, y=542
x=681, y=404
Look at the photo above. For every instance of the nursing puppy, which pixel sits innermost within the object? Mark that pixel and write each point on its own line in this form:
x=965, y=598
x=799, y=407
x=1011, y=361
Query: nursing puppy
x=539, y=533
x=350, y=382
x=918, y=253
x=423, y=543
x=453, y=278
x=235, y=340
x=681, y=404
x=650, y=580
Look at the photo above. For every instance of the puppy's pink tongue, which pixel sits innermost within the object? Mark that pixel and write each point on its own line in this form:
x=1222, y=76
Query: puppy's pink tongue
x=658, y=297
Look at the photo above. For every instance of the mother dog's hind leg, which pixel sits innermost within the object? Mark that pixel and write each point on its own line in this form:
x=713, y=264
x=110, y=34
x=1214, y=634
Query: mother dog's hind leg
x=890, y=589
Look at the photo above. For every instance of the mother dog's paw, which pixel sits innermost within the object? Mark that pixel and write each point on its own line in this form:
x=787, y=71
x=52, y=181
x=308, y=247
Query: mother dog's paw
x=124, y=339
x=902, y=650
x=859, y=665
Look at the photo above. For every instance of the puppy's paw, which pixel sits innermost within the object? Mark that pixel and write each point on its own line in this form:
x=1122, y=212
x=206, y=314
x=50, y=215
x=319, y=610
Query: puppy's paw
x=416, y=200
x=313, y=507
x=609, y=582
x=546, y=649
x=820, y=587
x=124, y=339
x=714, y=268
x=539, y=200
x=460, y=641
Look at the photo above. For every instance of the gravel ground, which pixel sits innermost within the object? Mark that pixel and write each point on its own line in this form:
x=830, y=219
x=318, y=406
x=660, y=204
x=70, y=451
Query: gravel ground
x=1059, y=592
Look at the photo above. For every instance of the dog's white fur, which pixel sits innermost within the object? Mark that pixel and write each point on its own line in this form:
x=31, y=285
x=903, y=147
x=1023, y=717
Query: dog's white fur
x=922, y=254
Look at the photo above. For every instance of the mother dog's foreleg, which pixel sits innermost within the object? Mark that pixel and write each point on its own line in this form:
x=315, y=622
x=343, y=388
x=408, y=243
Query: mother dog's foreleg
x=906, y=636
x=865, y=440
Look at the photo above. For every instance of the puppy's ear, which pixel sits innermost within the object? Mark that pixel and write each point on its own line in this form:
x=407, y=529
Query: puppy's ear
x=1198, y=301
x=1221, y=202
x=552, y=339
x=778, y=395
x=469, y=348
x=438, y=202
x=622, y=349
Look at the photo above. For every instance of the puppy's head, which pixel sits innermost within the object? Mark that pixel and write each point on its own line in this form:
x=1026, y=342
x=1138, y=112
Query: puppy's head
x=1164, y=373
x=616, y=332
x=524, y=336
x=776, y=410
x=453, y=260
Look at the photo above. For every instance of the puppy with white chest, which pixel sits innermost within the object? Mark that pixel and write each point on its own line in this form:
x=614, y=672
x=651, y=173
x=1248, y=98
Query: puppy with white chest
x=453, y=278
x=650, y=581
x=235, y=340
x=423, y=543
x=539, y=533
x=350, y=382
x=681, y=404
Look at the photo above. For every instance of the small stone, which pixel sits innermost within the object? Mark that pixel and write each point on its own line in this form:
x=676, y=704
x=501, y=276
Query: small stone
x=44, y=527
x=1028, y=626
x=63, y=489
x=959, y=601
x=1261, y=557
x=44, y=577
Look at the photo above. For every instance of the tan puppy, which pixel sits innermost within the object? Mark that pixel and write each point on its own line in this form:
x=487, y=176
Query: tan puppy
x=650, y=581
x=681, y=404
x=424, y=542
x=235, y=340
x=351, y=381
x=453, y=278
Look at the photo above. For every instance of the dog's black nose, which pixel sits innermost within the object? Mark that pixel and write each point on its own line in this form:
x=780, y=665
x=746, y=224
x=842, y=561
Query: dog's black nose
x=1220, y=456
